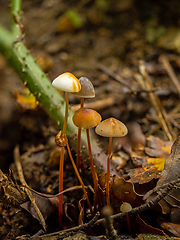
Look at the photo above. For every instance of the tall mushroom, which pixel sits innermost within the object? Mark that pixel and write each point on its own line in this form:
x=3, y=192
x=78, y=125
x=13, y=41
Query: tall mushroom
x=87, y=91
x=66, y=82
x=88, y=118
x=110, y=127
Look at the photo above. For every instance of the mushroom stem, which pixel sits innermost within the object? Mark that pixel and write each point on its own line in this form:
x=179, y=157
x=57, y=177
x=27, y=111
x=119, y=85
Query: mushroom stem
x=128, y=223
x=78, y=175
x=78, y=149
x=108, y=171
x=79, y=162
x=82, y=102
x=94, y=174
x=61, y=166
x=66, y=113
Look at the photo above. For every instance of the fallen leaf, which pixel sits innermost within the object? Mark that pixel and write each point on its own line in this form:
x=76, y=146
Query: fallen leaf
x=138, y=225
x=170, y=227
x=170, y=173
x=151, y=167
x=121, y=190
x=47, y=206
x=26, y=100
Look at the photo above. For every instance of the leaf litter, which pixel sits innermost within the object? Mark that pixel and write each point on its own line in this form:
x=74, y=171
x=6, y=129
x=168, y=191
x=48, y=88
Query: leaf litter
x=41, y=169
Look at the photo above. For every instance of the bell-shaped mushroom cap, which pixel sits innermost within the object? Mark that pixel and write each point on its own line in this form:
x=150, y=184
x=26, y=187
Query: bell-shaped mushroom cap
x=67, y=82
x=126, y=207
x=111, y=127
x=87, y=89
x=86, y=118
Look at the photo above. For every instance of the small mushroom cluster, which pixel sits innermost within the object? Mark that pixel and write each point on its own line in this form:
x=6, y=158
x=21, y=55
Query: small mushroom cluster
x=86, y=119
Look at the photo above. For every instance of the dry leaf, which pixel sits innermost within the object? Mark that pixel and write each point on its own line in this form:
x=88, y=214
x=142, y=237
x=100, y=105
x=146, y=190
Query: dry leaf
x=151, y=167
x=170, y=227
x=26, y=100
x=121, y=190
x=171, y=172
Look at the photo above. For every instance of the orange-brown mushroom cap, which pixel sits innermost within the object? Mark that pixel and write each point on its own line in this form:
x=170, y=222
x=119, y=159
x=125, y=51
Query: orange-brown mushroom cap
x=86, y=118
x=111, y=127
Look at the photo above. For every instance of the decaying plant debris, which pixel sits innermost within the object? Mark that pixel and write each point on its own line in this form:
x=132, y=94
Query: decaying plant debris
x=136, y=80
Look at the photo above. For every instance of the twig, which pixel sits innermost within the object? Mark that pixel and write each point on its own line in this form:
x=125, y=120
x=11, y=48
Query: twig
x=123, y=81
x=113, y=75
x=157, y=188
x=97, y=105
x=23, y=182
x=164, y=60
x=164, y=192
x=156, y=104
x=149, y=204
x=71, y=231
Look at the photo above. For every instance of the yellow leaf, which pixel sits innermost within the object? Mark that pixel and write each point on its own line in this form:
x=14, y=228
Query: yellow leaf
x=158, y=163
x=26, y=100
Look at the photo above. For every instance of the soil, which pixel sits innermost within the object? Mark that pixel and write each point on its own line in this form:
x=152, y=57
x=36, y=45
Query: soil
x=112, y=36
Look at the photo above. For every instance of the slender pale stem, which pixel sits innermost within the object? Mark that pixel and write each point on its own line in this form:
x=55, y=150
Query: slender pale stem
x=61, y=164
x=78, y=176
x=66, y=113
x=78, y=148
x=94, y=174
x=79, y=163
x=108, y=171
x=61, y=167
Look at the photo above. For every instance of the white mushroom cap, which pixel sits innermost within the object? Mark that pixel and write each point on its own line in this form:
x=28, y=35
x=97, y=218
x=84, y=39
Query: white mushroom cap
x=111, y=127
x=87, y=89
x=126, y=207
x=67, y=82
x=86, y=118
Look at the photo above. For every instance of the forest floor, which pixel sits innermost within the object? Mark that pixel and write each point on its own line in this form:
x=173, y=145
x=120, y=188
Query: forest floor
x=104, y=41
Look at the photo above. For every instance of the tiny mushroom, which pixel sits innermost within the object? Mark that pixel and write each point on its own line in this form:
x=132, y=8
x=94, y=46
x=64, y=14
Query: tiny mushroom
x=66, y=82
x=110, y=127
x=125, y=208
x=88, y=118
x=87, y=91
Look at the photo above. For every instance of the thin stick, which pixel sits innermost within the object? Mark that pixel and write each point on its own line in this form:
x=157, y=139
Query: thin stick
x=164, y=60
x=113, y=75
x=67, y=232
x=155, y=101
x=23, y=182
x=108, y=172
x=136, y=210
x=97, y=105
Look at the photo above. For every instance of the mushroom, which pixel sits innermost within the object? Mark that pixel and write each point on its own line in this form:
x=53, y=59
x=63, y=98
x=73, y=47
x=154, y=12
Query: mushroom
x=110, y=127
x=88, y=118
x=87, y=91
x=66, y=82
x=125, y=208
